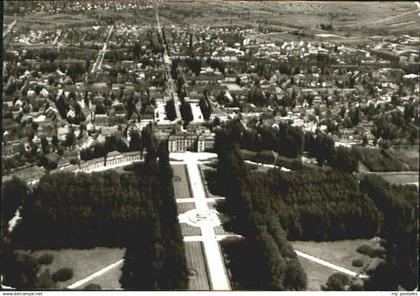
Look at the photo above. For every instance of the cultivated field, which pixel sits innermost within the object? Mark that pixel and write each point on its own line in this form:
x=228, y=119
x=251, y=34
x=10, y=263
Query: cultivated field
x=197, y=264
x=44, y=20
x=84, y=263
x=181, y=182
x=348, y=17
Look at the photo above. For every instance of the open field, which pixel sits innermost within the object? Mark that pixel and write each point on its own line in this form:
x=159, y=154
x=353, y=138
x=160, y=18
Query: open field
x=400, y=177
x=380, y=160
x=42, y=21
x=197, y=264
x=344, y=16
x=317, y=274
x=340, y=253
x=350, y=19
x=181, y=182
x=83, y=262
x=410, y=156
x=108, y=281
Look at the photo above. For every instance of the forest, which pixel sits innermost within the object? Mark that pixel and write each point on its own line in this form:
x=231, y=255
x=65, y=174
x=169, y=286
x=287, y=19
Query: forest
x=135, y=210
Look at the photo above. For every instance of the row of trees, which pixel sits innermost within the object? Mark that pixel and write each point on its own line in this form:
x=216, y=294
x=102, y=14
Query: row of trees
x=399, y=231
x=205, y=107
x=264, y=260
x=112, y=143
x=170, y=109
x=186, y=112
x=14, y=193
x=155, y=260
x=138, y=142
x=291, y=141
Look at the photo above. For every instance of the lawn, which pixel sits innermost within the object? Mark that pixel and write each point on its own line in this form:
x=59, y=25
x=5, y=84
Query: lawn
x=410, y=156
x=340, y=253
x=84, y=263
x=380, y=160
x=188, y=230
x=400, y=177
x=184, y=207
x=197, y=264
x=181, y=182
x=317, y=274
x=109, y=280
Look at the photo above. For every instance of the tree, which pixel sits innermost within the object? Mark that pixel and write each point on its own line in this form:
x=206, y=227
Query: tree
x=20, y=271
x=205, y=108
x=54, y=140
x=135, y=141
x=62, y=275
x=45, y=281
x=336, y=282
x=46, y=259
x=70, y=139
x=295, y=278
x=273, y=265
x=44, y=145
x=399, y=232
x=170, y=109
x=15, y=193
x=186, y=112
x=345, y=159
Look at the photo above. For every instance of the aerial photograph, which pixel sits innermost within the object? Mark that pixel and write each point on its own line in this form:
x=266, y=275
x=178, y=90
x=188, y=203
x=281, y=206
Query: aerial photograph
x=210, y=146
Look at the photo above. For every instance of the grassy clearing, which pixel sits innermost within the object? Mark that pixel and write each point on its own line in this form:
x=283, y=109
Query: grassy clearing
x=317, y=274
x=410, y=156
x=340, y=253
x=108, y=281
x=181, y=182
x=196, y=263
x=83, y=262
x=380, y=160
x=400, y=177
